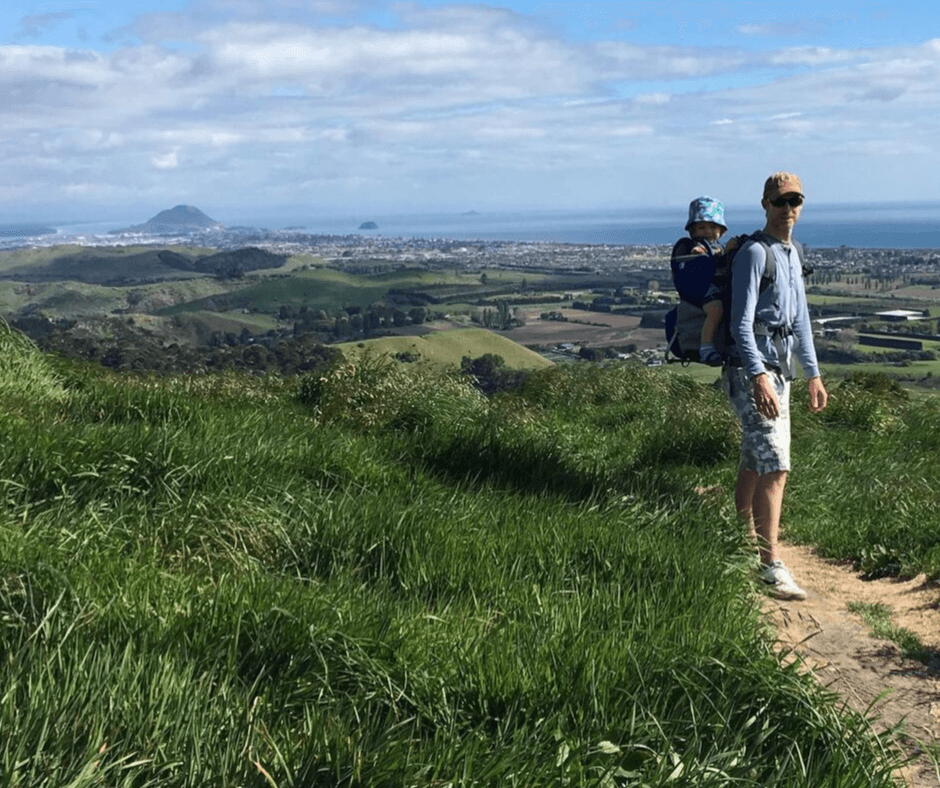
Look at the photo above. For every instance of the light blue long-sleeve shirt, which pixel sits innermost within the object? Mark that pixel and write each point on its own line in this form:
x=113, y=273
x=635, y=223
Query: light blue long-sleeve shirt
x=780, y=306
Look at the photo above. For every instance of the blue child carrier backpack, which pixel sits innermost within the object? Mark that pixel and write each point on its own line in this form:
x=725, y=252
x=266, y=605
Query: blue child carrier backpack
x=692, y=277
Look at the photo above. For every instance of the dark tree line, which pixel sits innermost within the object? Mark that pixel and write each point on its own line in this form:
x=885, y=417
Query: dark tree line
x=351, y=322
x=129, y=349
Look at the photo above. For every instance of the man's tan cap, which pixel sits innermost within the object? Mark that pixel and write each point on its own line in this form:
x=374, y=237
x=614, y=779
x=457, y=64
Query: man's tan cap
x=782, y=183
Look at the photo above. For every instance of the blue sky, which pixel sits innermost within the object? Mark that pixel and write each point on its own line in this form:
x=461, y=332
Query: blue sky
x=243, y=108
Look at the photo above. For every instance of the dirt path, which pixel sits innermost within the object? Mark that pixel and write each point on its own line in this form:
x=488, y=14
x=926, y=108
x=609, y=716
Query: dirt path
x=837, y=646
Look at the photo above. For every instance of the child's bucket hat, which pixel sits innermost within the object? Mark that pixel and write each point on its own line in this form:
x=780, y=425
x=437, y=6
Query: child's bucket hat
x=706, y=209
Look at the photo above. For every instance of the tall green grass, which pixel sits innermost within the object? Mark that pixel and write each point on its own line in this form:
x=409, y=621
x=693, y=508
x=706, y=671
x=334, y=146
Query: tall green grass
x=868, y=484
x=378, y=577
x=25, y=374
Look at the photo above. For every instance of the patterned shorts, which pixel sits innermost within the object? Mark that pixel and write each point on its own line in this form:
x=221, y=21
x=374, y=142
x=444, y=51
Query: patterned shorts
x=765, y=443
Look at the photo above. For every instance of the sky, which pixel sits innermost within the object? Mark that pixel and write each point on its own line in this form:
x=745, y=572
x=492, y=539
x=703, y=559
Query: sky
x=115, y=109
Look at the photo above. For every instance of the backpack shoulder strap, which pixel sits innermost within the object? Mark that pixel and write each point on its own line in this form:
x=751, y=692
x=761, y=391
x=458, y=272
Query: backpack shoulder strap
x=770, y=267
x=771, y=270
x=684, y=246
x=807, y=269
x=681, y=248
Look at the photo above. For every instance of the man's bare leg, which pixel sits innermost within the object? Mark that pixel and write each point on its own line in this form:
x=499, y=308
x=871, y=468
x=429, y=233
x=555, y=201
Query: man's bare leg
x=759, y=501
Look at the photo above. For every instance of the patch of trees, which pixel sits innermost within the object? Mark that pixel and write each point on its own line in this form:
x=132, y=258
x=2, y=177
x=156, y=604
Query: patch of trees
x=352, y=322
x=833, y=354
x=121, y=346
x=562, y=318
x=490, y=375
x=605, y=353
x=411, y=297
x=226, y=265
x=526, y=300
x=605, y=304
x=502, y=318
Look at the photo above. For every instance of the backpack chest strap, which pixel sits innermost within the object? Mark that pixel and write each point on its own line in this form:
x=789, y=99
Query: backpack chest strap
x=778, y=335
x=760, y=330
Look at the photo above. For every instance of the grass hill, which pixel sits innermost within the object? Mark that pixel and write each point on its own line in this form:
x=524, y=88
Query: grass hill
x=327, y=288
x=92, y=265
x=448, y=348
x=377, y=576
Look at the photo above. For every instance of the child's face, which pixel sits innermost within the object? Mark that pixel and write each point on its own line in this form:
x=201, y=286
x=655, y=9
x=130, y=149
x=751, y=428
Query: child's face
x=707, y=230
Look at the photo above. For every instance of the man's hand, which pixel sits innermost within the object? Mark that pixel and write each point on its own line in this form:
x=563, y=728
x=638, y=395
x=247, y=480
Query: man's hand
x=818, y=396
x=765, y=397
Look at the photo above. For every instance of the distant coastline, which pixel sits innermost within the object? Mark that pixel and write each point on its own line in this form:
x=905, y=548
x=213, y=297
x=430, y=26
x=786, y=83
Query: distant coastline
x=862, y=226
x=888, y=226
x=25, y=230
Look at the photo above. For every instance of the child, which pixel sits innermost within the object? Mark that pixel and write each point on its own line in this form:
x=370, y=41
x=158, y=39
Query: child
x=698, y=252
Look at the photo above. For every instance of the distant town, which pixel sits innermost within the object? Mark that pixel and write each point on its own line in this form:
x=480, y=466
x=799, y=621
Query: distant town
x=860, y=296
x=359, y=253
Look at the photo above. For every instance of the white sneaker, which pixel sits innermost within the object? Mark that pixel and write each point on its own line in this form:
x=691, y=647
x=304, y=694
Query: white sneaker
x=779, y=582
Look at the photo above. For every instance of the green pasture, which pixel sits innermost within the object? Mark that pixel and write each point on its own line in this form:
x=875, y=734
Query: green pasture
x=447, y=348
x=73, y=299
x=18, y=258
x=92, y=264
x=834, y=373
x=824, y=299
x=914, y=369
x=700, y=373
x=210, y=322
x=319, y=288
x=61, y=299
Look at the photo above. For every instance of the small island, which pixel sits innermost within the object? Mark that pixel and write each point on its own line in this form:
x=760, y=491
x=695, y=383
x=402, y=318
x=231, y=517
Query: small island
x=368, y=226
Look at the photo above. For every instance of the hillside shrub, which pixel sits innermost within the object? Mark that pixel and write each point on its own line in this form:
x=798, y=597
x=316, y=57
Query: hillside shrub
x=376, y=391
x=25, y=374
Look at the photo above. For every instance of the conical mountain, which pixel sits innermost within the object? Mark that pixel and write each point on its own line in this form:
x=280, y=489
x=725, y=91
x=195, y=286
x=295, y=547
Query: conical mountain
x=181, y=219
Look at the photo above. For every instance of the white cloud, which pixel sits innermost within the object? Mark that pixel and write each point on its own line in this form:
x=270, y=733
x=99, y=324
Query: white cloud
x=783, y=29
x=455, y=94
x=166, y=161
x=653, y=98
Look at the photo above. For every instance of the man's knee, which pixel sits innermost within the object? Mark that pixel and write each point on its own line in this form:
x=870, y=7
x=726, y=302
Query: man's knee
x=773, y=478
x=771, y=484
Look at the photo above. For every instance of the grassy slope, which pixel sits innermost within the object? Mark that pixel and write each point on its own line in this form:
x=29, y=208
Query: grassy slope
x=91, y=264
x=449, y=347
x=326, y=288
x=379, y=577
x=71, y=299
x=19, y=258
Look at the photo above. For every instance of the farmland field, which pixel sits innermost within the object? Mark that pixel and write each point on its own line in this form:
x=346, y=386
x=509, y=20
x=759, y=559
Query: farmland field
x=597, y=329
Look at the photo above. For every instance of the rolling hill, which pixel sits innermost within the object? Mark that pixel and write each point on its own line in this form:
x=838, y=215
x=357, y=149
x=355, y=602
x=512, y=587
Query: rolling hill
x=449, y=347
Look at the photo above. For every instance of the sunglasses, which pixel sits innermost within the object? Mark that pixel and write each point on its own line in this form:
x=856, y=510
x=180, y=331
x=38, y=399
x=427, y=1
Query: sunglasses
x=794, y=202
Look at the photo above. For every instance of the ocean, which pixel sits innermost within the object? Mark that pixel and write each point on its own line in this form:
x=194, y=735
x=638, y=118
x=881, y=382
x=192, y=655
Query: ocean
x=911, y=226
x=914, y=225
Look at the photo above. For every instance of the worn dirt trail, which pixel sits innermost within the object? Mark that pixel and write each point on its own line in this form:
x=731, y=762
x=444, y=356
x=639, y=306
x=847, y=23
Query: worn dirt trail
x=836, y=645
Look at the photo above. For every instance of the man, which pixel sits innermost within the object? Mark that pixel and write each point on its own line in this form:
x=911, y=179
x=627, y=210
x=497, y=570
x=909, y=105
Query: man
x=770, y=322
